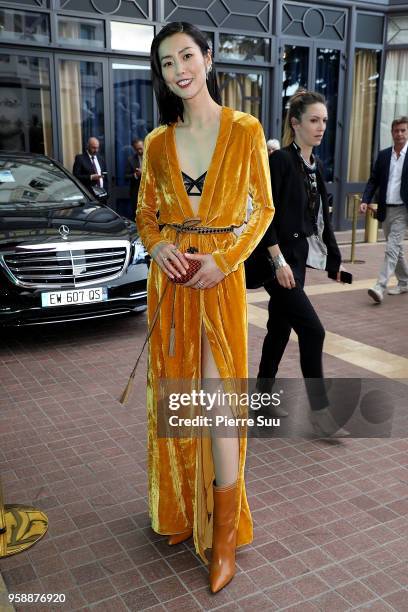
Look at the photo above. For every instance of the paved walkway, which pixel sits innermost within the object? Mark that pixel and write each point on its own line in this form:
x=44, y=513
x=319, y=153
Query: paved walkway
x=331, y=518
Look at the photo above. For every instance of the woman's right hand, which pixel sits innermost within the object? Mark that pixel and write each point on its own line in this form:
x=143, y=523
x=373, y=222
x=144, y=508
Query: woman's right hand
x=170, y=259
x=284, y=276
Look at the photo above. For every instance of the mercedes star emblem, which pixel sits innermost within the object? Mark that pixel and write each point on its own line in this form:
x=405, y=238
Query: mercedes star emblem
x=64, y=231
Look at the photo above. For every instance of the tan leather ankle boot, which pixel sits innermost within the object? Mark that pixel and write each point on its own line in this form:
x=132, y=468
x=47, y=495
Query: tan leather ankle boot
x=222, y=567
x=177, y=538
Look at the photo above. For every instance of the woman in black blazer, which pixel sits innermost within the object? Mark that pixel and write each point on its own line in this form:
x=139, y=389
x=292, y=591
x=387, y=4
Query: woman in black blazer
x=300, y=235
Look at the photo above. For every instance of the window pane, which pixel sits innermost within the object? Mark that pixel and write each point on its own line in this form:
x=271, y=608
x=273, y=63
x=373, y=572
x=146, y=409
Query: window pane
x=395, y=93
x=245, y=48
x=25, y=105
x=327, y=83
x=131, y=36
x=81, y=95
x=242, y=92
x=397, y=31
x=18, y=26
x=370, y=29
x=133, y=108
x=365, y=92
x=295, y=73
x=85, y=32
x=210, y=39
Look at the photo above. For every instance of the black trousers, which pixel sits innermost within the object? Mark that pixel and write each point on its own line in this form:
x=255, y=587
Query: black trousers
x=291, y=309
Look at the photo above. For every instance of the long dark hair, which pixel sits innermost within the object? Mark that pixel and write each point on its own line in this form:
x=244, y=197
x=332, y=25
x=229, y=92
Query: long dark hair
x=171, y=107
x=298, y=104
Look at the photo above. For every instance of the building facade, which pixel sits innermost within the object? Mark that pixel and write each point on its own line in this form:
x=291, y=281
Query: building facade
x=70, y=69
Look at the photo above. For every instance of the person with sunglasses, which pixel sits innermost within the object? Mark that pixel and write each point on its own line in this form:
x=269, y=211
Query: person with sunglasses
x=299, y=235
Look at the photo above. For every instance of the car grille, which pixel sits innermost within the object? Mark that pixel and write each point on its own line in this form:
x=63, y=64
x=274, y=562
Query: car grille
x=68, y=265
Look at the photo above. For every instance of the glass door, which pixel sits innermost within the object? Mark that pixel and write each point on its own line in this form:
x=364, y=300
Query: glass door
x=25, y=102
x=242, y=90
x=81, y=105
x=317, y=67
x=327, y=82
x=295, y=74
x=328, y=79
x=131, y=103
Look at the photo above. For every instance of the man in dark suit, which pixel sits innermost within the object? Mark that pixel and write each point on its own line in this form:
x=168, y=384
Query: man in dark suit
x=133, y=172
x=390, y=177
x=90, y=167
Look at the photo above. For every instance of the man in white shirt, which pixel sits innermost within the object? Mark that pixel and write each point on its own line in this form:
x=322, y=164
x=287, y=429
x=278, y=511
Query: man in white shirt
x=390, y=175
x=89, y=167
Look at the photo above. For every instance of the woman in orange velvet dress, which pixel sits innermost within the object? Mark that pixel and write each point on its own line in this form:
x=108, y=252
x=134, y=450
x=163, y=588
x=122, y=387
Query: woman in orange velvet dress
x=202, y=162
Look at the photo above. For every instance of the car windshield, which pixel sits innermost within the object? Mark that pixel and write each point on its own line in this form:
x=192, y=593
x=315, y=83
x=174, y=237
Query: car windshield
x=36, y=182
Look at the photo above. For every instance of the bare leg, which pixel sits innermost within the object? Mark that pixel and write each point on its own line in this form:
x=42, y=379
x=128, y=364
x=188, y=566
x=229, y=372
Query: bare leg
x=225, y=451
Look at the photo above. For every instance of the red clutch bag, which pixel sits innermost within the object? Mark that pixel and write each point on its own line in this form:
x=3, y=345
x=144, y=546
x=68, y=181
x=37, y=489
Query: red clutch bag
x=194, y=267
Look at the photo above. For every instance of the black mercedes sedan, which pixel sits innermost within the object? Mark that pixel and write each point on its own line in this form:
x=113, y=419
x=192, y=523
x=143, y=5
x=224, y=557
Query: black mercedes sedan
x=64, y=255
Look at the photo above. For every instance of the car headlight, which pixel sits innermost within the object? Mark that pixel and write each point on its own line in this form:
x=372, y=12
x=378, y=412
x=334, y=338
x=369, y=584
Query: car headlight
x=139, y=253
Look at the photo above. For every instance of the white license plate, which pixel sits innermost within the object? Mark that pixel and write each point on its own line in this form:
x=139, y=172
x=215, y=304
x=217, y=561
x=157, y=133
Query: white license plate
x=74, y=296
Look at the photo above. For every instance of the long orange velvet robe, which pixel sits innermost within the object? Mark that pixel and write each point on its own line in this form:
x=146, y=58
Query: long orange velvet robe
x=180, y=470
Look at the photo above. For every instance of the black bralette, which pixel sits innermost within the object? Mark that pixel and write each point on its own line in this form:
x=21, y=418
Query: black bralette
x=190, y=183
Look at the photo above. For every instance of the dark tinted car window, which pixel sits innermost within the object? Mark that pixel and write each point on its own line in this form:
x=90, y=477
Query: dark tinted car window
x=35, y=182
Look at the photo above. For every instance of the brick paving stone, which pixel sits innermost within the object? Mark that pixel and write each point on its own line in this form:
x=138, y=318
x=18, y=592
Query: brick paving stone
x=98, y=590
x=382, y=557
x=155, y=571
x=314, y=559
x=87, y=573
x=375, y=606
x=284, y=595
x=291, y=567
x=297, y=543
x=127, y=581
x=330, y=602
x=183, y=561
x=334, y=575
x=258, y=602
x=230, y=607
x=273, y=551
x=399, y=573
x=310, y=585
x=305, y=606
x=356, y=593
x=185, y=603
x=194, y=579
x=397, y=600
x=168, y=588
x=265, y=576
x=14, y=578
x=209, y=601
x=58, y=583
x=113, y=604
x=241, y=586
x=78, y=556
x=380, y=583
x=140, y=599
x=359, y=566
